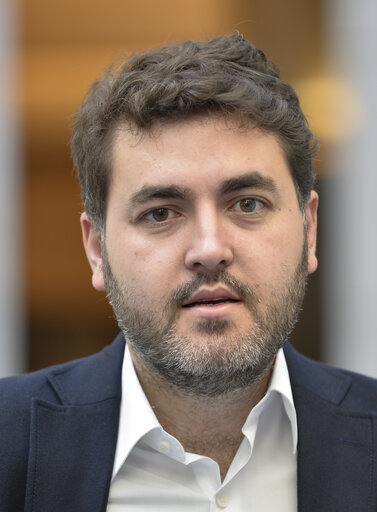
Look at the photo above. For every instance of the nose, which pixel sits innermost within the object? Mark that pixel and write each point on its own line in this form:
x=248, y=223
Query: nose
x=209, y=248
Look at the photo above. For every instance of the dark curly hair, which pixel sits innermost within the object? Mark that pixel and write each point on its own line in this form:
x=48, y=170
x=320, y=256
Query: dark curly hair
x=224, y=75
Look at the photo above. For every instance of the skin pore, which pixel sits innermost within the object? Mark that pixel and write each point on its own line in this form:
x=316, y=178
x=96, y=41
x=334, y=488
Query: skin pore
x=204, y=258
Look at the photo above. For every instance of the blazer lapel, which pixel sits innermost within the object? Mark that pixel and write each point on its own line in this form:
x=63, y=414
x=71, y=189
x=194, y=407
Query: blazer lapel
x=335, y=448
x=335, y=459
x=71, y=456
x=72, y=443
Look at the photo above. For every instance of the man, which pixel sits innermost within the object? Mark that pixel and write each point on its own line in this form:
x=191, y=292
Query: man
x=200, y=224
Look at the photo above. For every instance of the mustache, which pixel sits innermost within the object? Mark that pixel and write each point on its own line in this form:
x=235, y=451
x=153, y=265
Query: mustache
x=183, y=292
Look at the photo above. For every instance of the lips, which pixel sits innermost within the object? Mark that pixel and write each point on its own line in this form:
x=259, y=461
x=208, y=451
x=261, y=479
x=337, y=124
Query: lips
x=206, y=297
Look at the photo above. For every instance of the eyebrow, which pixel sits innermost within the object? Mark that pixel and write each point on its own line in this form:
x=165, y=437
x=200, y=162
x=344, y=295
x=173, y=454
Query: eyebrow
x=149, y=192
x=249, y=180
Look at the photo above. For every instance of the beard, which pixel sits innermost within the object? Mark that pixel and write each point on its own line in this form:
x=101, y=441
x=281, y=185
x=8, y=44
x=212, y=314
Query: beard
x=224, y=359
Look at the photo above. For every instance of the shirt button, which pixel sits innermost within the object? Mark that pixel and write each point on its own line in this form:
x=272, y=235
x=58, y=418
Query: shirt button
x=165, y=446
x=221, y=500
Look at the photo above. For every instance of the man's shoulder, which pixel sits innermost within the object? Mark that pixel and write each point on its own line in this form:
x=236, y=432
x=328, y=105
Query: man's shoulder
x=346, y=389
x=63, y=388
x=46, y=384
x=16, y=391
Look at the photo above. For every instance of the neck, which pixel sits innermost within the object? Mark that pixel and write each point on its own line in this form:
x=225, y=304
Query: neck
x=209, y=426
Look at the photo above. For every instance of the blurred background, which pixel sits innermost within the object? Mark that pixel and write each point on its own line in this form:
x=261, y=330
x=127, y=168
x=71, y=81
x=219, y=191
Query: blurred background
x=50, y=53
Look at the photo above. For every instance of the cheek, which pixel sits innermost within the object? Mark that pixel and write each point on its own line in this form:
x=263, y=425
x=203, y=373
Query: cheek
x=149, y=263
x=270, y=256
x=288, y=238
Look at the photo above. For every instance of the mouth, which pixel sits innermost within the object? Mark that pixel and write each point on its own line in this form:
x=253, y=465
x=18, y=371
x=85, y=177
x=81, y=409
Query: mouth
x=210, y=302
x=211, y=298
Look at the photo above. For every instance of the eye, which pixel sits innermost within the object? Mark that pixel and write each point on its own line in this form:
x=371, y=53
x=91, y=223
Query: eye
x=159, y=215
x=249, y=205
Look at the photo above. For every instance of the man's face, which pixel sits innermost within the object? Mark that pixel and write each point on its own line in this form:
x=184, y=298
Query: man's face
x=205, y=254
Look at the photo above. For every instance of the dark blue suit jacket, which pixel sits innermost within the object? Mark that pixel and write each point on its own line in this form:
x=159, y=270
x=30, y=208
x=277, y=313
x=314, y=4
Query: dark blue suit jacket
x=58, y=432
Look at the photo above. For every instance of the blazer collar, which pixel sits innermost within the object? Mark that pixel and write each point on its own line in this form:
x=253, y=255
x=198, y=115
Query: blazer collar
x=335, y=443
x=324, y=381
x=72, y=443
x=91, y=379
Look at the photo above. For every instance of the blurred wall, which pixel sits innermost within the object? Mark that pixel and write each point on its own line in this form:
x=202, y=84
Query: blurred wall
x=12, y=340
x=350, y=234
x=65, y=45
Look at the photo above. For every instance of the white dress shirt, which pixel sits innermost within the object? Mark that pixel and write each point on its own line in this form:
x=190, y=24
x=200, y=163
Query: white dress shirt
x=152, y=472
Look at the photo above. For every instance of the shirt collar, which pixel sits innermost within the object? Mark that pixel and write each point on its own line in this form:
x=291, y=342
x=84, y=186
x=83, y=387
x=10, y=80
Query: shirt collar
x=137, y=417
x=136, y=414
x=280, y=383
x=279, y=387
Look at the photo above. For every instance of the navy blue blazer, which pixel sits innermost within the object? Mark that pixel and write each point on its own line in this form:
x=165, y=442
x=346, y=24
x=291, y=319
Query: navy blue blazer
x=58, y=432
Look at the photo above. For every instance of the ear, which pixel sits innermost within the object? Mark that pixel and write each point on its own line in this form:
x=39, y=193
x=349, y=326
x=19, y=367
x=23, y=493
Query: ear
x=310, y=212
x=92, y=245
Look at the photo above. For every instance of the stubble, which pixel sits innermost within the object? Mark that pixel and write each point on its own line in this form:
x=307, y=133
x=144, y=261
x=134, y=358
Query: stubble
x=226, y=359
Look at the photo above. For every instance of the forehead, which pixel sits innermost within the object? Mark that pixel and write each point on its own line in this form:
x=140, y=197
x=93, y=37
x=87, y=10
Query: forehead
x=196, y=154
